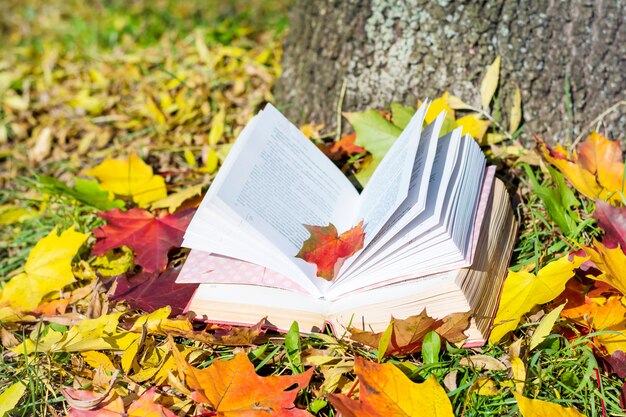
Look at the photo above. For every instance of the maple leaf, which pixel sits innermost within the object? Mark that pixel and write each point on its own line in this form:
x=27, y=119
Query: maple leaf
x=596, y=170
x=616, y=363
x=407, y=334
x=611, y=262
x=150, y=291
x=232, y=388
x=346, y=146
x=386, y=391
x=613, y=221
x=148, y=236
x=327, y=250
x=47, y=269
x=132, y=177
x=226, y=335
x=538, y=408
x=523, y=290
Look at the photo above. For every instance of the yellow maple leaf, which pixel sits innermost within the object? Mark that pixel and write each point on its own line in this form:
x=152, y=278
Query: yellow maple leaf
x=48, y=268
x=474, y=126
x=523, y=290
x=173, y=201
x=437, y=106
x=612, y=263
x=385, y=391
x=90, y=334
x=539, y=408
x=132, y=177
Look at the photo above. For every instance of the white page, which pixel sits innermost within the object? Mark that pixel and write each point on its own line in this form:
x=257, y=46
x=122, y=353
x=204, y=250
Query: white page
x=283, y=181
x=415, y=202
x=446, y=155
x=389, y=185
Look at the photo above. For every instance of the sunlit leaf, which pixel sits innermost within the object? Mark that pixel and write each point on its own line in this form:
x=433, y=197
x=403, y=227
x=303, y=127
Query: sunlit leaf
x=489, y=83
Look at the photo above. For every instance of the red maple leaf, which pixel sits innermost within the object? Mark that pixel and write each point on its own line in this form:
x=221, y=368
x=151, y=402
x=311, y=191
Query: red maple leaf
x=148, y=236
x=149, y=291
x=326, y=249
x=346, y=145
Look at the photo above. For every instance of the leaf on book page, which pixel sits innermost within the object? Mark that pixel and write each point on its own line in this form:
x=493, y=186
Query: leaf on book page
x=47, y=269
x=150, y=291
x=539, y=408
x=612, y=220
x=131, y=177
x=490, y=83
x=374, y=133
x=148, y=236
x=327, y=250
x=385, y=391
x=523, y=290
x=408, y=334
x=232, y=387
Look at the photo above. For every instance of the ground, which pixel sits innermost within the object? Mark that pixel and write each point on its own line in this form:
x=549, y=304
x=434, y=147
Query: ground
x=170, y=88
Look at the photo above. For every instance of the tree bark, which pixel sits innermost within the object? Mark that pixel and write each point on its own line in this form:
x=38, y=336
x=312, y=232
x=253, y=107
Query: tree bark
x=404, y=50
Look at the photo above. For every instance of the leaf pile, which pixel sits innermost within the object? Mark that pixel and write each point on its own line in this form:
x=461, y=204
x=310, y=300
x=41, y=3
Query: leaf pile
x=110, y=133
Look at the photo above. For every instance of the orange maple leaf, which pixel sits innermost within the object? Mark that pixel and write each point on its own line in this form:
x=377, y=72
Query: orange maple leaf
x=326, y=249
x=232, y=388
x=346, y=145
x=596, y=170
x=386, y=391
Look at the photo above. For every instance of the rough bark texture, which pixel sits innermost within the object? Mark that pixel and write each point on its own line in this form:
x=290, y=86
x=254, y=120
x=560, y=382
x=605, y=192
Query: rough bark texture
x=402, y=50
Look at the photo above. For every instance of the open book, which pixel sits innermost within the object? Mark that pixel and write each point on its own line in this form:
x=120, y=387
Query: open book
x=438, y=228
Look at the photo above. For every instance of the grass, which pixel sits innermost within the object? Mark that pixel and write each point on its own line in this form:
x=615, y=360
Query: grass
x=560, y=370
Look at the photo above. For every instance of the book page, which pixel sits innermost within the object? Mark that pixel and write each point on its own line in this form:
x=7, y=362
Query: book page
x=389, y=185
x=415, y=202
x=281, y=182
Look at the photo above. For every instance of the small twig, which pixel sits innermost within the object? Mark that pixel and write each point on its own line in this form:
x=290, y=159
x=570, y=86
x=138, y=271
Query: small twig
x=342, y=94
x=595, y=121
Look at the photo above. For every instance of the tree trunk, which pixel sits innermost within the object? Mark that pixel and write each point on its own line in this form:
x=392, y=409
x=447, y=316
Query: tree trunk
x=403, y=50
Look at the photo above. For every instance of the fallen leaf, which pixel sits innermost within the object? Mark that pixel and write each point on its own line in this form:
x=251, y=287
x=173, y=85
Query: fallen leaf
x=146, y=406
x=438, y=105
x=226, y=335
x=173, y=201
x=130, y=177
x=150, y=291
x=518, y=369
x=485, y=386
x=616, y=363
x=473, y=125
x=523, y=290
x=401, y=115
x=489, y=83
x=10, y=214
x=114, y=262
x=374, y=133
x=483, y=362
x=385, y=391
x=10, y=397
x=111, y=405
x=515, y=117
x=148, y=236
x=596, y=171
x=89, y=334
x=611, y=262
x=539, y=408
x=612, y=220
x=47, y=269
x=545, y=327
x=327, y=250
x=217, y=127
x=346, y=146
x=406, y=335
x=233, y=388
x=86, y=191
